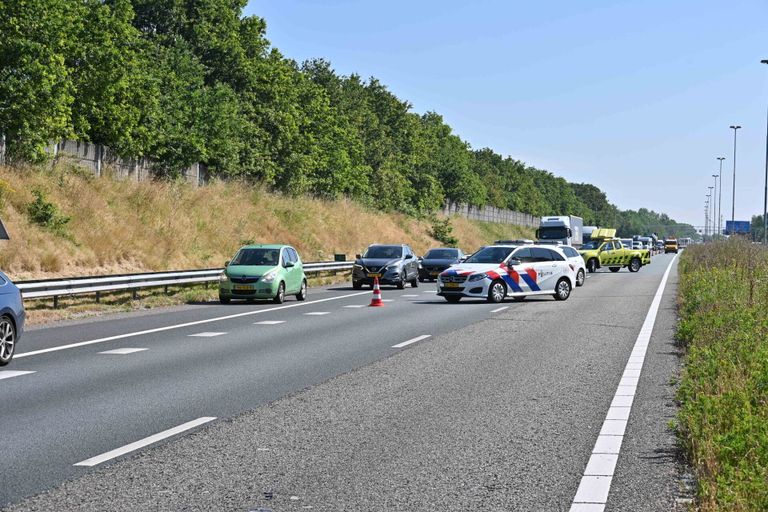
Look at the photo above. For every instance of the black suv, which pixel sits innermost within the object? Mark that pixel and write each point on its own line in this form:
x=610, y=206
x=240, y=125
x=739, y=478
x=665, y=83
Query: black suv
x=392, y=264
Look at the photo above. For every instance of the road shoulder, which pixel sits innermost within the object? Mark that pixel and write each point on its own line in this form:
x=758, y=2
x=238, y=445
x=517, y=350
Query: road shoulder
x=651, y=474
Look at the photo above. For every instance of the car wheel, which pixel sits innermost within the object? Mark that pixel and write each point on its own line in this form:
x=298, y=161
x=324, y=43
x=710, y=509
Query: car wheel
x=357, y=285
x=421, y=279
x=7, y=340
x=280, y=296
x=401, y=283
x=592, y=265
x=453, y=299
x=615, y=269
x=580, y=277
x=634, y=265
x=224, y=300
x=519, y=298
x=562, y=289
x=497, y=292
x=302, y=295
x=414, y=283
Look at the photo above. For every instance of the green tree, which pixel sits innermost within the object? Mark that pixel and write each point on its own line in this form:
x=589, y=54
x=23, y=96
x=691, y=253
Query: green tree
x=36, y=90
x=112, y=88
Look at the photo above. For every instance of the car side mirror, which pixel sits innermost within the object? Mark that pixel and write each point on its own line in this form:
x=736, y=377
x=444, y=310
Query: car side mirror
x=289, y=264
x=226, y=263
x=513, y=262
x=358, y=257
x=409, y=256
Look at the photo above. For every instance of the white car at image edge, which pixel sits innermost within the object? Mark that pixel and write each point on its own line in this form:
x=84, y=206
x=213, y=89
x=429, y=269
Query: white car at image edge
x=499, y=271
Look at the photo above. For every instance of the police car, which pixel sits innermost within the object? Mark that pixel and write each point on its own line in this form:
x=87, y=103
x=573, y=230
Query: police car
x=499, y=271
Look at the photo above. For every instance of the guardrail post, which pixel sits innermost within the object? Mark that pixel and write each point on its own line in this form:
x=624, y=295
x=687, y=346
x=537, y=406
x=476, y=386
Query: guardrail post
x=98, y=297
x=55, y=301
x=165, y=289
x=134, y=294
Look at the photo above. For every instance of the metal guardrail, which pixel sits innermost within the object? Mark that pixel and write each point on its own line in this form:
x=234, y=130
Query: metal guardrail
x=133, y=282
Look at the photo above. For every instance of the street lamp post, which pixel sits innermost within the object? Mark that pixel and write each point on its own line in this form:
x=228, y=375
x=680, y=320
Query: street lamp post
x=720, y=198
x=733, y=200
x=710, y=206
x=706, y=219
x=714, y=206
x=765, y=197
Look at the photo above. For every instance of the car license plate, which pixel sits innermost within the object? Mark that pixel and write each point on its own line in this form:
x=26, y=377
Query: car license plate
x=243, y=287
x=451, y=285
x=433, y=274
x=374, y=275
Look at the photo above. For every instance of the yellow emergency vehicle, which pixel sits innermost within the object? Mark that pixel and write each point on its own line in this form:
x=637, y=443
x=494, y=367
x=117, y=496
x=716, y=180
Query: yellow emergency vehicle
x=605, y=250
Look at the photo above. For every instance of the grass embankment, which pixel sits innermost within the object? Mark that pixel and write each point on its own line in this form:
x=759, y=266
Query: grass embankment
x=119, y=226
x=723, y=421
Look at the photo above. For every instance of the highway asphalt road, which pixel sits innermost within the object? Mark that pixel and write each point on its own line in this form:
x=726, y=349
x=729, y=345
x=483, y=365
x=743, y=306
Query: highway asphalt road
x=346, y=407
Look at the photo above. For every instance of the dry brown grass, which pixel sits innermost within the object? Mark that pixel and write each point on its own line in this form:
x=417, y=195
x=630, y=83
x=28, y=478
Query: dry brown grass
x=123, y=226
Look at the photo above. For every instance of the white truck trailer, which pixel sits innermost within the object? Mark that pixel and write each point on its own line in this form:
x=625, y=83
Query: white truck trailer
x=564, y=229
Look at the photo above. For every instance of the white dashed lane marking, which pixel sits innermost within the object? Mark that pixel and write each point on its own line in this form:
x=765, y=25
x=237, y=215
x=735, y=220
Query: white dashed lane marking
x=7, y=374
x=409, y=295
x=93, y=461
x=270, y=322
x=499, y=309
x=123, y=351
x=355, y=306
x=317, y=313
x=207, y=334
x=179, y=326
x=412, y=340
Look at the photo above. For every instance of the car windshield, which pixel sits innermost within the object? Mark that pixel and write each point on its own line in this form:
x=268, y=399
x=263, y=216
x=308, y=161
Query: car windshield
x=490, y=255
x=591, y=245
x=442, y=254
x=552, y=233
x=384, y=252
x=256, y=257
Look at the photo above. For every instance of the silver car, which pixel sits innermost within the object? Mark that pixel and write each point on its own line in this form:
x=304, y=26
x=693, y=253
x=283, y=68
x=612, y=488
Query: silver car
x=11, y=319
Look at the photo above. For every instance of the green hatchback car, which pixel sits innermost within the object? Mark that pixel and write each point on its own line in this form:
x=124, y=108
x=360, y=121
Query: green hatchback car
x=263, y=272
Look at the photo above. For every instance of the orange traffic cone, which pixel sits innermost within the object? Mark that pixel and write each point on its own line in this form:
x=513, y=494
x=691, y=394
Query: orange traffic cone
x=376, y=300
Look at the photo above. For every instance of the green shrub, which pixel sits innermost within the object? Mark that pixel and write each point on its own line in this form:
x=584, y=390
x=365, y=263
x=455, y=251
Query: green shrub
x=723, y=420
x=46, y=214
x=443, y=231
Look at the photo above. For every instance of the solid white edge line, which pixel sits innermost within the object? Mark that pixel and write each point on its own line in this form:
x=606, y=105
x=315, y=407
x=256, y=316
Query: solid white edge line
x=179, y=326
x=596, y=480
x=98, y=459
x=412, y=340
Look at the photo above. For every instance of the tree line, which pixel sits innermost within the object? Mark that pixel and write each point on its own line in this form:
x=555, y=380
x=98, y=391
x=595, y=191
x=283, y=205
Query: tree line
x=184, y=81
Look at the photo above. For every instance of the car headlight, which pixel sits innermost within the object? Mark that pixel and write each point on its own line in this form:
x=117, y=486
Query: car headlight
x=269, y=276
x=223, y=278
x=477, y=277
x=393, y=268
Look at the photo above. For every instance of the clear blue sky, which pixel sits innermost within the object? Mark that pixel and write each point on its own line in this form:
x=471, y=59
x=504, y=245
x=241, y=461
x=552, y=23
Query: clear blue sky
x=634, y=97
